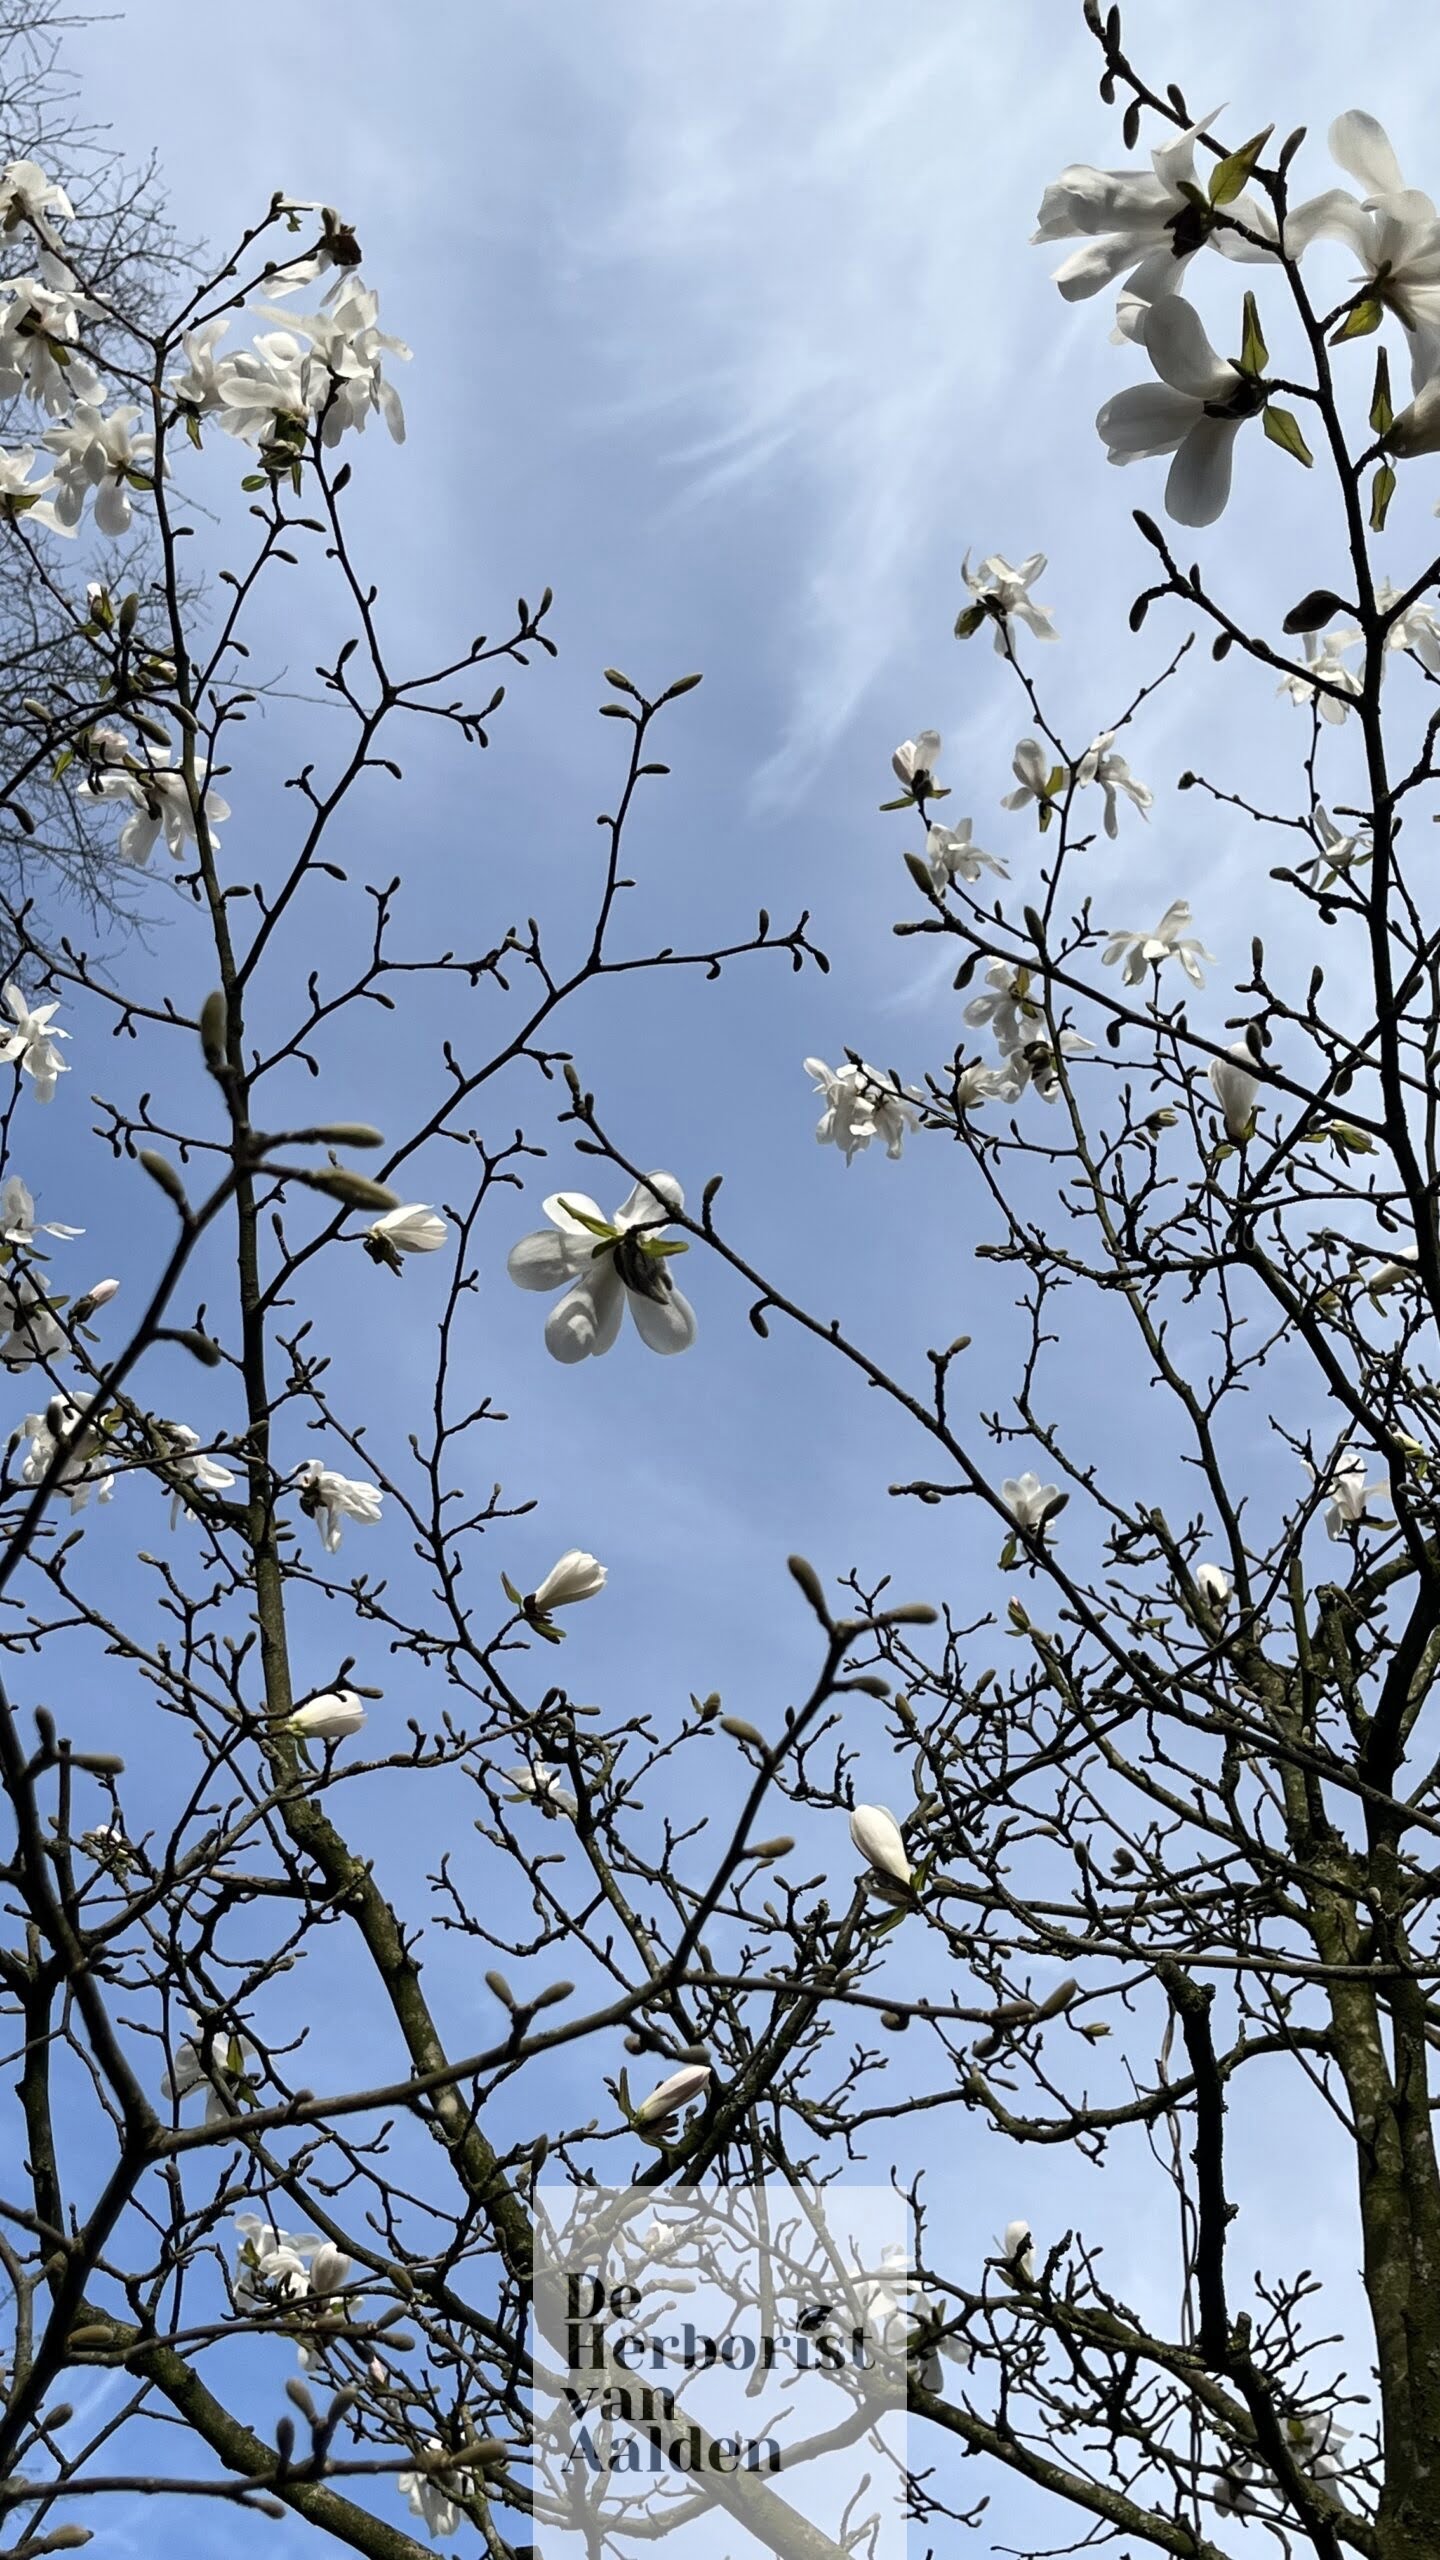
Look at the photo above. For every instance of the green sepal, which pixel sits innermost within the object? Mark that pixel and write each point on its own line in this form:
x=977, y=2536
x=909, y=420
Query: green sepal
x=1283, y=428
x=1362, y=322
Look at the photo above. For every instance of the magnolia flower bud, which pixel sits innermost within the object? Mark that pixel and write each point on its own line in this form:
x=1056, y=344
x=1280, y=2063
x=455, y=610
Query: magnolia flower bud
x=1235, y=1086
x=577, y=1576
x=876, y=1835
x=1018, y=2251
x=103, y=1292
x=1213, y=1584
x=329, y=1718
x=691, y=2081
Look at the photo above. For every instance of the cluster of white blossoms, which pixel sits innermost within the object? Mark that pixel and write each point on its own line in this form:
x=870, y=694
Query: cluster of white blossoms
x=862, y=1103
x=1012, y=1010
x=1153, y=221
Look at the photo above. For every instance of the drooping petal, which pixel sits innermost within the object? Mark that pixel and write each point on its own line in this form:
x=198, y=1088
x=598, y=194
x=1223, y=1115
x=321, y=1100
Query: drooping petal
x=664, y=1324
x=1146, y=420
x=1199, y=482
x=1182, y=355
x=587, y=1319
x=1090, y=268
x=546, y=1260
x=1360, y=145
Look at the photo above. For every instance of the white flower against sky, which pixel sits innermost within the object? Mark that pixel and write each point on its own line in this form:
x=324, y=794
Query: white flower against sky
x=1005, y=592
x=333, y=1717
x=1417, y=629
x=877, y=1836
x=1236, y=1088
x=1007, y=1010
x=1018, y=2250
x=690, y=2081
x=349, y=350
x=1171, y=940
x=975, y=1085
x=1394, y=232
x=156, y=794
x=270, y=2262
x=18, y=1222
x=428, y=2496
x=1100, y=764
x=99, y=453
x=34, y=1332
x=861, y=1103
x=1213, y=1584
x=951, y=855
x=193, y=1464
x=40, y=317
x=1028, y=1501
x=1350, y=1500
x=1339, y=853
x=332, y=1499
x=201, y=387
x=267, y=386
x=539, y=1784
x=412, y=1228
x=1393, y=1274
x=1324, y=666
x=232, y=2061
x=28, y=1041
x=603, y=1265
x=20, y=497
x=29, y=194
x=63, y=1426
x=1032, y=766
x=1195, y=411
x=576, y=1576
x=1136, y=218
x=914, y=763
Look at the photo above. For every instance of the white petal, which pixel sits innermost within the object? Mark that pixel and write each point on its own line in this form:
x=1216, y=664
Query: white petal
x=666, y=1324
x=1182, y=355
x=587, y=1318
x=1360, y=145
x=546, y=1260
x=650, y=1202
x=1199, y=481
x=1149, y=419
x=560, y=1216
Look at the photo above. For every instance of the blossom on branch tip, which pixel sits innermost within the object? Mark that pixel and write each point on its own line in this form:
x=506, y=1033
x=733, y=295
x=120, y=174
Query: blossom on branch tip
x=603, y=1265
x=186, y=1460
x=99, y=453
x=270, y=2262
x=40, y=318
x=333, y=1499
x=1195, y=411
x=1350, y=1500
x=18, y=1222
x=1018, y=2251
x=576, y=1576
x=1339, y=853
x=414, y=1228
x=1171, y=940
x=157, y=794
x=1324, y=667
x=1002, y=595
x=63, y=1431
x=34, y=1331
x=1213, y=1584
x=28, y=194
x=20, y=497
x=432, y=2495
x=537, y=1783
x=690, y=2081
x=878, y=1837
x=1236, y=1088
x=951, y=855
x=1030, y=1503
x=332, y=1717
x=1417, y=629
x=230, y=2060
x=1100, y=764
x=861, y=1103
x=1033, y=768
x=30, y=1043
x=914, y=763
x=1144, y=219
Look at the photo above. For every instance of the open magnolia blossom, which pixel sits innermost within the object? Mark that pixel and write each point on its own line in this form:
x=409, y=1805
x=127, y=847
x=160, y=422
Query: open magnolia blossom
x=61, y=1433
x=193, y=1464
x=40, y=318
x=1416, y=630
x=1029, y=1502
x=33, y=1330
x=415, y=1228
x=1339, y=853
x=28, y=1042
x=99, y=453
x=1195, y=411
x=878, y=1837
x=18, y=1222
x=1392, y=1274
x=1350, y=1501
x=332, y=1717
x=348, y=351
x=1394, y=232
x=1032, y=766
x=27, y=195
x=1101, y=765
x=1018, y=2251
x=1002, y=594
x=19, y=496
x=159, y=797
x=1143, y=219
x=333, y=1499
x=951, y=855
x=914, y=763
x=861, y=1103
x=270, y=2263
x=690, y=2081
x=1171, y=940
x=1213, y=1584
x=537, y=1783
x=1022, y=1033
x=432, y=2495
x=1326, y=676
x=1236, y=1087
x=603, y=1265
x=223, y=2064
x=576, y=1576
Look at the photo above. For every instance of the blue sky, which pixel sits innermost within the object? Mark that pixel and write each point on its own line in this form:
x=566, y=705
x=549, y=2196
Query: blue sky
x=724, y=323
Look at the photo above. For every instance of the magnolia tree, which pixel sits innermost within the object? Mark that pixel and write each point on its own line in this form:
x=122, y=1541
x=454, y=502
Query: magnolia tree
x=1158, y=1863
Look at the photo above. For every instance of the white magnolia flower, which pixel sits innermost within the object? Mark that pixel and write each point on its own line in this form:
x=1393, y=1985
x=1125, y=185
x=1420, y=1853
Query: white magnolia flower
x=429, y=2496
x=1394, y=232
x=230, y=2060
x=951, y=855
x=33, y=1330
x=1213, y=1584
x=1100, y=764
x=1417, y=629
x=29, y=194
x=1194, y=411
x=577, y=1576
x=100, y=453
x=604, y=1264
x=156, y=793
x=29, y=1042
x=332, y=1717
x=1236, y=1088
x=18, y=1222
x=540, y=1784
x=1351, y=1501
x=201, y=387
x=333, y=1499
x=348, y=357
x=1232, y=2495
x=1392, y=1274
x=1018, y=2250
x=40, y=317
x=270, y=2263
x=1028, y=1501
x=914, y=763
x=1138, y=218
x=1339, y=853
x=977, y=1084
x=415, y=1228
x=329, y=2269
x=61, y=1431
x=1021, y=1032
x=1005, y=593
x=20, y=496
x=269, y=387
x=877, y=1836
x=1325, y=667
x=861, y=1103
x=1171, y=940
x=690, y=2081
x=1032, y=766
x=192, y=1463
